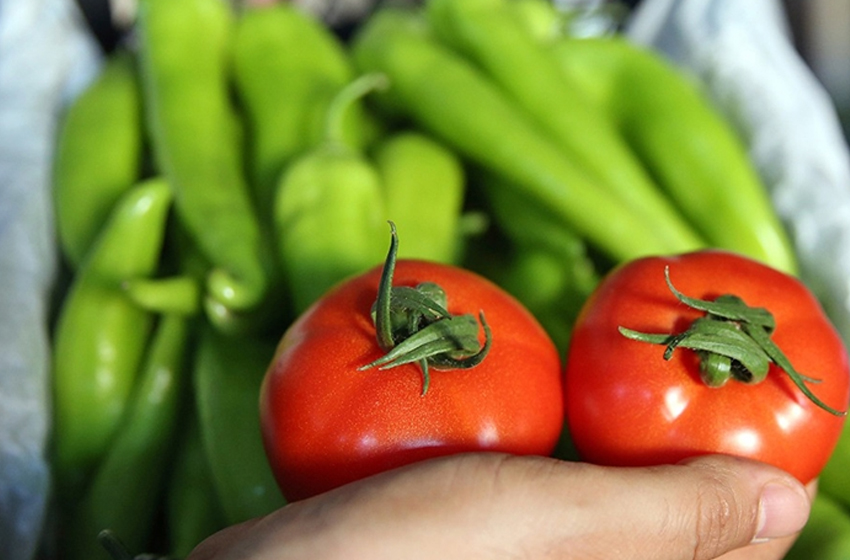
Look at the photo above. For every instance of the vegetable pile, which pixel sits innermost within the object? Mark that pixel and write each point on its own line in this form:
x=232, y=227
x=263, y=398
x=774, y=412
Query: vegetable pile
x=229, y=177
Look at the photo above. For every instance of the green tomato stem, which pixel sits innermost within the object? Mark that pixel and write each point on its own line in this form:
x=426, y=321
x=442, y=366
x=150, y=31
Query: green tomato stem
x=732, y=341
x=413, y=325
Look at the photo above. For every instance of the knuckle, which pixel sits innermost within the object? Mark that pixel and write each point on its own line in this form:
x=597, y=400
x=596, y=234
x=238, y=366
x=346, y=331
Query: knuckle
x=718, y=514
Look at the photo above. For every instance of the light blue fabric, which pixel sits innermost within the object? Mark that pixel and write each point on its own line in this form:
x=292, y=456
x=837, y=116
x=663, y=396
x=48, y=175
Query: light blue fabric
x=44, y=57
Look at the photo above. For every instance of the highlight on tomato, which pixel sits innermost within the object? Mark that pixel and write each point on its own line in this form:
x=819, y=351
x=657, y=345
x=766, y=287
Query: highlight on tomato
x=409, y=361
x=706, y=352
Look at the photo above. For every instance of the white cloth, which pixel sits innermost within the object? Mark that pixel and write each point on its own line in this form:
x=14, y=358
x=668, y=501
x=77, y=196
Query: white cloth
x=44, y=56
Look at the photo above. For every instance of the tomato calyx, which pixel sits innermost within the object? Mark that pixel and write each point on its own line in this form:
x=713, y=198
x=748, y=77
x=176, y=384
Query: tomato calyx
x=732, y=340
x=413, y=325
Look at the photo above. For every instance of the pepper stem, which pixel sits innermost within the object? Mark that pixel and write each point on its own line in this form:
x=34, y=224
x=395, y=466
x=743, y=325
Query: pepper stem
x=340, y=104
x=413, y=326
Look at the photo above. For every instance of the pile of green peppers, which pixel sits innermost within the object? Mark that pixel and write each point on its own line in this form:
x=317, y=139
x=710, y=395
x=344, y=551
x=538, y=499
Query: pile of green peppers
x=230, y=165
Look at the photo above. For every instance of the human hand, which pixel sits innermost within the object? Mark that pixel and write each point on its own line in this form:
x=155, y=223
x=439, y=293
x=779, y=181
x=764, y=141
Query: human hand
x=489, y=506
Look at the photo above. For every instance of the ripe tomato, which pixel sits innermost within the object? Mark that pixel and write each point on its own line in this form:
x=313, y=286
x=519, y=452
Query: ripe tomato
x=325, y=422
x=627, y=405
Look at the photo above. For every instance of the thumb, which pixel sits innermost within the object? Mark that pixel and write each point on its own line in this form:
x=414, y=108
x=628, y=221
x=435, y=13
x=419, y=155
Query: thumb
x=541, y=508
x=496, y=506
x=700, y=509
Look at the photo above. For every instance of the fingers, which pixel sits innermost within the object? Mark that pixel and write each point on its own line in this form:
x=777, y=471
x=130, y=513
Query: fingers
x=496, y=506
x=773, y=549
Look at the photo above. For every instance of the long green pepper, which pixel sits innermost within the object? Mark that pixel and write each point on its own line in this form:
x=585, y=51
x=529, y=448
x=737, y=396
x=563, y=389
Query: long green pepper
x=192, y=509
x=548, y=269
x=288, y=67
x=101, y=334
x=98, y=154
x=126, y=489
x=227, y=375
x=185, y=49
x=683, y=140
x=489, y=33
x=450, y=98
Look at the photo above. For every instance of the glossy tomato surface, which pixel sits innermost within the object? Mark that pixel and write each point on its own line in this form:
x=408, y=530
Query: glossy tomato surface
x=326, y=423
x=626, y=405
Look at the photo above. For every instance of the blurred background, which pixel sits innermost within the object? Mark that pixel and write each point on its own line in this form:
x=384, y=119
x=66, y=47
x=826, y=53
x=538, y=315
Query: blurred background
x=820, y=30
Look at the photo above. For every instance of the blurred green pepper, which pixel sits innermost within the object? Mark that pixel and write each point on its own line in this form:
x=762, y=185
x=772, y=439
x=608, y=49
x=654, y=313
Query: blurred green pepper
x=549, y=268
x=826, y=536
x=101, y=334
x=683, y=140
x=459, y=105
x=489, y=33
x=834, y=479
x=227, y=374
x=185, y=51
x=329, y=210
x=127, y=486
x=288, y=66
x=98, y=154
x=192, y=509
x=423, y=184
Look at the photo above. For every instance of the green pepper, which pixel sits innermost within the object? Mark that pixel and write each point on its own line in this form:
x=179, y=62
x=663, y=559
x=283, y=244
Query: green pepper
x=826, y=535
x=185, y=49
x=835, y=477
x=457, y=103
x=544, y=20
x=489, y=33
x=329, y=210
x=193, y=511
x=548, y=267
x=98, y=154
x=682, y=139
x=127, y=486
x=288, y=66
x=227, y=374
x=101, y=334
x=423, y=185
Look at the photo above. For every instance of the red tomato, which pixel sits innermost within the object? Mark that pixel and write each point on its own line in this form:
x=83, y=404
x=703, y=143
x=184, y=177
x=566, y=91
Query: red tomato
x=626, y=405
x=325, y=423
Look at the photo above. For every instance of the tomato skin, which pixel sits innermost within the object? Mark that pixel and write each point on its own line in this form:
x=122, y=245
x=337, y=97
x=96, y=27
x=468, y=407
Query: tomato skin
x=325, y=423
x=627, y=406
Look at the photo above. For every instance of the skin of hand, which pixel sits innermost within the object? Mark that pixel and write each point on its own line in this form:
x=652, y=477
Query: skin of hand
x=493, y=506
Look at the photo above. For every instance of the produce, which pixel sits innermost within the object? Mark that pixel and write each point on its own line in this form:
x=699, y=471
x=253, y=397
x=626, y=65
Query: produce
x=227, y=181
x=185, y=46
x=654, y=106
x=127, y=487
x=287, y=69
x=101, y=335
x=329, y=419
x=411, y=164
x=652, y=377
x=98, y=154
x=490, y=35
x=190, y=515
x=329, y=208
x=445, y=94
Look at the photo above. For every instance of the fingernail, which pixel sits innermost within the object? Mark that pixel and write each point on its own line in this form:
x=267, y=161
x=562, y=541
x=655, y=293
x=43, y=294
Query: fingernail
x=783, y=511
